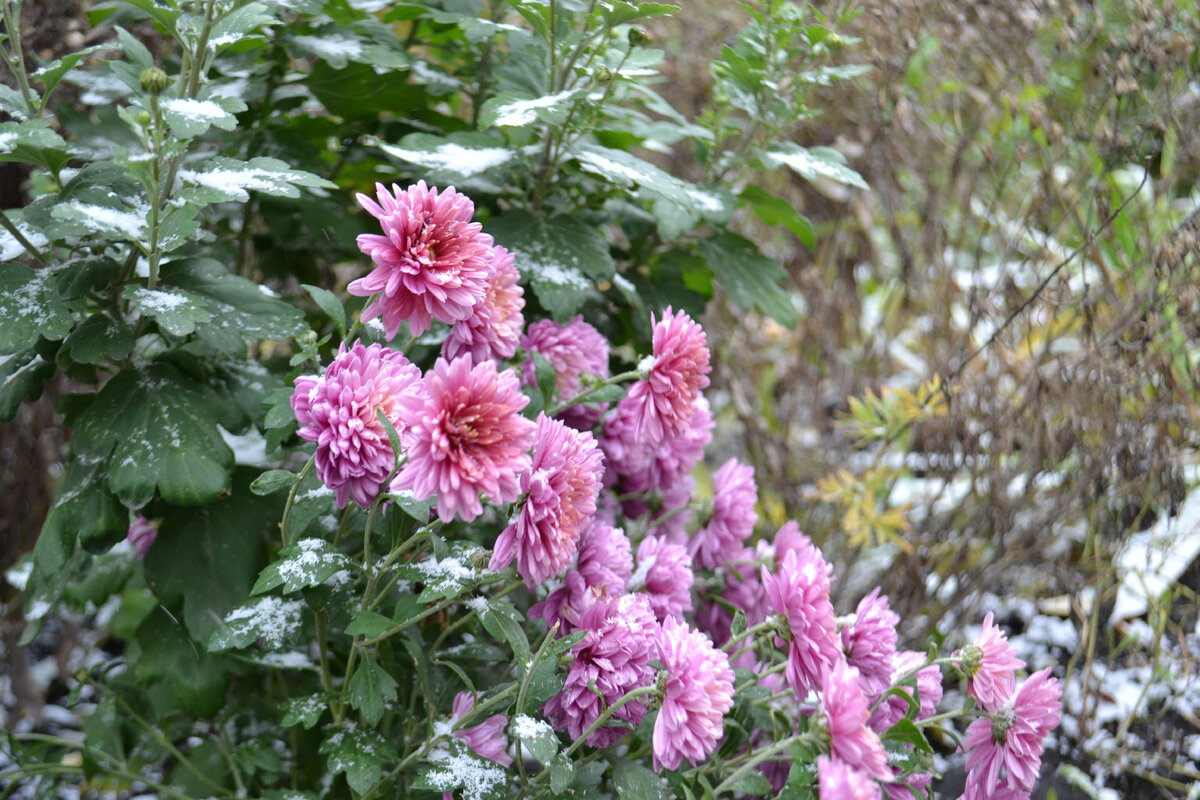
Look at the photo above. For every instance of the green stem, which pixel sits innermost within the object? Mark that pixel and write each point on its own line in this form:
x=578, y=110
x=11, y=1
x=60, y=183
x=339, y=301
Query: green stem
x=771, y=623
x=583, y=396
x=11, y=227
x=291, y=501
x=233, y=767
x=170, y=748
x=15, y=56
x=766, y=754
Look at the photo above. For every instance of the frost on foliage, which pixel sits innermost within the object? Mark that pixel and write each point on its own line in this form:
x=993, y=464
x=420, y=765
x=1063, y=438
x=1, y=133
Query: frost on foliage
x=812, y=163
x=112, y=223
x=271, y=619
x=506, y=112
x=11, y=249
x=456, y=769
x=358, y=752
x=446, y=577
x=449, y=156
x=308, y=562
x=230, y=179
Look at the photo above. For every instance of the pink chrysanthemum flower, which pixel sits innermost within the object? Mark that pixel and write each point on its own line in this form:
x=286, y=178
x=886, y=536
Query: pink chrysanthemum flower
x=431, y=262
x=467, y=437
x=565, y=604
x=337, y=410
x=870, y=643
x=837, y=780
x=799, y=590
x=990, y=664
x=494, y=327
x=487, y=738
x=613, y=658
x=929, y=691
x=664, y=575
x=574, y=349
x=696, y=696
x=844, y=709
x=1005, y=751
x=675, y=373
x=644, y=469
x=742, y=590
x=733, y=516
x=605, y=556
x=788, y=538
x=560, y=493
x=142, y=533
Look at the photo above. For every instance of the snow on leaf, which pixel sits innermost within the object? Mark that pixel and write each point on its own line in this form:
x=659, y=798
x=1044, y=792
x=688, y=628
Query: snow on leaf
x=271, y=619
x=308, y=562
x=812, y=163
x=508, y=111
x=358, y=752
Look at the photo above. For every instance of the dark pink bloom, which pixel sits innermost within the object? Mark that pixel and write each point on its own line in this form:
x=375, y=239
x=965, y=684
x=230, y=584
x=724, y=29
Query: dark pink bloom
x=494, y=327
x=697, y=695
x=1005, y=750
x=675, y=373
x=467, y=437
x=664, y=575
x=870, y=643
x=733, y=516
x=837, y=780
x=990, y=664
x=574, y=349
x=612, y=659
x=142, y=533
x=487, y=738
x=845, y=710
x=644, y=469
x=560, y=493
x=565, y=604
x=337, y=410
x=431, y=262
x=799, y=590
x=605, y=556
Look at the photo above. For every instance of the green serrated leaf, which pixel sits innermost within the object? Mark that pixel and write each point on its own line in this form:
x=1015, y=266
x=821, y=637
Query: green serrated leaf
x=308, y=562
x=509, y=110
x=99, y=337
x=812, y=163
x=272, y=481
x=464, y=769
x=751, y=278
x=777, y=211
x=358, y=752
x=168, y=654
x=30, y=308
x=22, y=377
x=635, y=782
x=304, y=711
x=370, y=688
x=240, y=23
x=33, y=142
x=177, y=313
x=328, y=302
x=370, y=624
x=562, y=774
x=453, y=158
x=537, y=736
x=448, y=576
x=273, y=620
x=52, y=73
x=189, y=117
x=220, y=178
x=84, y=510
x=410, y=505
x=905, y=730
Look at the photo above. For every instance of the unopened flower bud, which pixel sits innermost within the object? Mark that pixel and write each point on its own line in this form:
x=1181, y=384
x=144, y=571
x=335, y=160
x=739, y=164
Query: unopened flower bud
x=638, y=37
x=143, y=118
x=308, y=339
x=154, y=80
x=602, y=74
x=970, y=658
x=835, y=41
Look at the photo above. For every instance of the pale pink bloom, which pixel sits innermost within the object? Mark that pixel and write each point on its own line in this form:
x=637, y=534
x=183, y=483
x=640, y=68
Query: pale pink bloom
x=733, y=516
x=431, y=262
x=845, y=710
x=574, y=349
x=696, y=696
x=990, y=664
x=837, y=780
x=467, y=437
x=929, y=690
x=487, y=738
x=789, y=538
x=1005, y=750
x=565, y=604
x=337, y=410
x=644, y=469
x=605, y=556
x=870, y=643
x=678, y=370
x=799, y=590
x=560, y=491
x=664, y=575
x=142, y=533
x=613, y=658
x=494, y=327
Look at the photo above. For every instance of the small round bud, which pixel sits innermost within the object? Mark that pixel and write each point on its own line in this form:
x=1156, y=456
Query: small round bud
x=602, y=74
x=154, y=80
x=970, y=659
x=308, y=339
x=143, y=118
x=638, y=37
x=835, y=41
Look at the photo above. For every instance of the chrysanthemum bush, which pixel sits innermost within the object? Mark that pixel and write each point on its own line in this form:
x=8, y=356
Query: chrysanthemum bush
x=448, y=530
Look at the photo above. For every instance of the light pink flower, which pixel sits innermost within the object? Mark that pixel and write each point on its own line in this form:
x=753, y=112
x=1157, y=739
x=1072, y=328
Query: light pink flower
x=645, y=469
x=799, y=590
x=789, y=538
x=605, y=556
x=696, y=696
x=837, y=780
x=733, y=516
x=431, y=262
x=494, y=327
x=337, y=410
x=664, y=575
x=929, y=690
x=565, y=604
x=142, y=533
x=990, y=664
x=560, y=491
x=870, y=643
x=678, y=370
x=845, y=711
x=573, y=350
x=467, y=437
x=1005, y=751
x=487, y=738
x=612, y=659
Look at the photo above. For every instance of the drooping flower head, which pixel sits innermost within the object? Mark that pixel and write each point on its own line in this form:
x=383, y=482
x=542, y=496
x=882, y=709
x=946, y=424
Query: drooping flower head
x=799, y=590
x=1005, y=750
x=733, y=516
x=431, y=262
x=467, y=437
x=675, y=373
x=990, y=663
x=494, y=327
x=573, y=350
x=337, y=410
x=560, y=491
x=612, y=659
x=870, y=643
x=664, y=575
x=844, y=710
x=837, y=780
x=142, y=533
x=696, y=696
x=487, y=738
